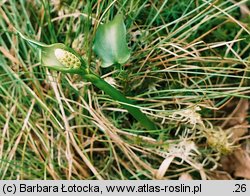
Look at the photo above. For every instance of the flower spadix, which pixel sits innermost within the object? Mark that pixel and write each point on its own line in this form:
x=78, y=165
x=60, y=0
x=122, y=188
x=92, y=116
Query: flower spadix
x=58, y=56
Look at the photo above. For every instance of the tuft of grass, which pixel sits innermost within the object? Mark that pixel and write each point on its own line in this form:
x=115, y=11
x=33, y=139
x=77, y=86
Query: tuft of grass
x=189, y=63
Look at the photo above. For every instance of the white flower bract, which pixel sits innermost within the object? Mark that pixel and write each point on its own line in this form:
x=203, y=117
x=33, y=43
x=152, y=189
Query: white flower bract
x=59, y=53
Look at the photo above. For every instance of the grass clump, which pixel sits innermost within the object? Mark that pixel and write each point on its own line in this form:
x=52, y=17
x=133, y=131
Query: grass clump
x=188, y=71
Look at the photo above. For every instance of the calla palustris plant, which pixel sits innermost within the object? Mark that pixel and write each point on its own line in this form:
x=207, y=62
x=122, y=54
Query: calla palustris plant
x=61, y=58
x=57, y=56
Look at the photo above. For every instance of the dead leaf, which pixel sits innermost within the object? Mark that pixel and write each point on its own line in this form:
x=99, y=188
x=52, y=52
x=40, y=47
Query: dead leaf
x=185, y=176
x=243, y=169
x=220, y=175
x=244, y=10
x=238, y=115
x=236, y=123
x=164, y=167
x=238, y=131
x=237, y=164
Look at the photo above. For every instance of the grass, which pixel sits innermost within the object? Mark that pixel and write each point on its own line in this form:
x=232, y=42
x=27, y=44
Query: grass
x=189, y=64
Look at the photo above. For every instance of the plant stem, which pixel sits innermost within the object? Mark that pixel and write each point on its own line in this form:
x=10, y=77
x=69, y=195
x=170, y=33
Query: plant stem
x=118, y=96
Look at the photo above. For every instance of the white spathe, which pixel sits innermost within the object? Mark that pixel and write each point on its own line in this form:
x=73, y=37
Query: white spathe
x=60, y=53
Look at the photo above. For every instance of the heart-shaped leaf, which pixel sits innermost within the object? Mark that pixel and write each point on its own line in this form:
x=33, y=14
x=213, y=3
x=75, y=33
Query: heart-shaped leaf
x=110, y=42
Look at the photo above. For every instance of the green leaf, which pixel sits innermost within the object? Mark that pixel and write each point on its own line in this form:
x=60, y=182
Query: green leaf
x=110, y=42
